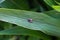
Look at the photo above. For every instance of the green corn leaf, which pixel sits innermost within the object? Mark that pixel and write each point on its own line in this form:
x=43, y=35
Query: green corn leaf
x=50, y=2
x=32, y=5
x=23, y=31
x=54, y=14
x=41, y=21
x=6, y=25
x=57, y=1
x=2, y=1
x=54, y=6
x=15, y=4
x=57, y=8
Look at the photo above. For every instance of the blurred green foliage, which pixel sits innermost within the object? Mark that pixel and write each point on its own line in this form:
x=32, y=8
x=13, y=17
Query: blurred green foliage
x=45, y=15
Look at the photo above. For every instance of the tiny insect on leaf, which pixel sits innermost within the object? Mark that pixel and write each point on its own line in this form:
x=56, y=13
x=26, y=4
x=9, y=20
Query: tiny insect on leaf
x=30, y=20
